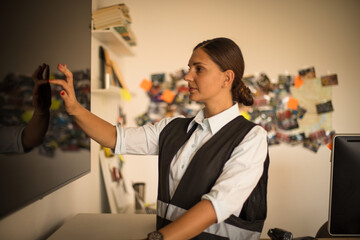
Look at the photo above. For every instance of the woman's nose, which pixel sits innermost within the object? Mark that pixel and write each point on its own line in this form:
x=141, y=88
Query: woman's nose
x=188, y=76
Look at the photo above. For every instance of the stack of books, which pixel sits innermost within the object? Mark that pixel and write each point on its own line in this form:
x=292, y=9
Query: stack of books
x=116, y=17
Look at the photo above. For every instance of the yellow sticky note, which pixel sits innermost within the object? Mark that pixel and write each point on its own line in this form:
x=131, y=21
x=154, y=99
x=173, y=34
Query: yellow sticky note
x=246, y=115
x=125, y=94
x=108, y=152
x=168, y=96
x=55, y=104
x=27, y=115
x=293, y=103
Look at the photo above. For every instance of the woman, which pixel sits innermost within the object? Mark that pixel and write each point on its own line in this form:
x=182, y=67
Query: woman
x=213, y=167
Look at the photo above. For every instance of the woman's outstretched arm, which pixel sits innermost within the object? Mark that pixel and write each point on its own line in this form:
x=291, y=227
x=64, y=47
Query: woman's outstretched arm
x=96, y=128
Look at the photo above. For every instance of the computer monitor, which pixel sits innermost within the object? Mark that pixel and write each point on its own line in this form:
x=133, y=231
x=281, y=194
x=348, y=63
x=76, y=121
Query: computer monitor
x=344, y=208
x=32, y=33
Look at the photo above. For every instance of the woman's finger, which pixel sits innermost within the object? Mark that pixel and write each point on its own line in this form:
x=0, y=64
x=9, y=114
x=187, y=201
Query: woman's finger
x=41, y=73
x=47, y=72
x=59, y=82
x=68, y=74
x=41, y=82
x=66, y=86
x=36, y=73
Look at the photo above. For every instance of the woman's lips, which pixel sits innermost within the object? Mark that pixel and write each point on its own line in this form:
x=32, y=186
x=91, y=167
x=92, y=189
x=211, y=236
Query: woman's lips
x=192, y=89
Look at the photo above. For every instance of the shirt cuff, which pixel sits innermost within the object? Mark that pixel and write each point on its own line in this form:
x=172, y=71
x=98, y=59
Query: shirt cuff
x=20, y=147
x=119, y=145
x=220, y=215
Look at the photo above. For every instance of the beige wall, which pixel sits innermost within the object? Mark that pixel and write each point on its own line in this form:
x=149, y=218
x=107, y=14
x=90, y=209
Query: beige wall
x=275, y=36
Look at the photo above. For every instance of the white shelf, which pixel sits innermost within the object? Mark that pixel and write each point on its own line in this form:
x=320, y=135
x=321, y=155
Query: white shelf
x=113, y=40
x=112, y=90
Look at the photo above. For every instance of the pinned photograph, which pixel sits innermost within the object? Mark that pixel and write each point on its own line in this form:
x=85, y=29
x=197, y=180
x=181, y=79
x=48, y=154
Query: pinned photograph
x=272, y=139
x=301, y=112
x=307, y=73
x=287, y=120
x=297, y=138
x=158, y=78
x=155, y=93
x=317, y=135
x=178, y=75
x=264, y=83
x=249, y=80
x=329, y=80
x=142, y=119
x=313, y=146
x=285, y=82
x=282, y=137
x=259, y=101
x=324, y=107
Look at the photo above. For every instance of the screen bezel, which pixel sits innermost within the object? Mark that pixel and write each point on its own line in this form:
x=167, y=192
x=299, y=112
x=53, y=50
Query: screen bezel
x=338, y=148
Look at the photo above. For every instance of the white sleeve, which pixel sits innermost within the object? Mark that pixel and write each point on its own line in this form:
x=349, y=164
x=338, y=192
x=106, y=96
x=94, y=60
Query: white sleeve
x=11, y=139
x=240, y=175
x=142, y=140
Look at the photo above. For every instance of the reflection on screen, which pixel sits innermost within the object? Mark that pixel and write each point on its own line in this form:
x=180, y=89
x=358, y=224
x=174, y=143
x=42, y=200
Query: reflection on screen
x=37, y=32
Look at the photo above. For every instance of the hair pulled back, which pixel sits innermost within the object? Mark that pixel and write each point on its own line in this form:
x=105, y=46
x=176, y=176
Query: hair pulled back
x=227, y=55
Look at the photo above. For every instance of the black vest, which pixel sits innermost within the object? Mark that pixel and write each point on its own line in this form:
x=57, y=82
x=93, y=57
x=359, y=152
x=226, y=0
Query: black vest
x=205, y=168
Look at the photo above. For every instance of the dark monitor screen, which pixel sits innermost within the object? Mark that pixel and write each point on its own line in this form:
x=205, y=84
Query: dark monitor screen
x=32, y=33
x=344, y=209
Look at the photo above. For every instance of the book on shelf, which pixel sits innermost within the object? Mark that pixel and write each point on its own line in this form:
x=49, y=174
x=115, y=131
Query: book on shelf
x=106, y=71
x=117, y=75
x=114, y=9
x=106, y=17
x=117, y=17
x=103, y=24
x=127, y=34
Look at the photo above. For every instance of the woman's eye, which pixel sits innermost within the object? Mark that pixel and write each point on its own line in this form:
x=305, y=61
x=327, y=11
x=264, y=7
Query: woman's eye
x=199, y=69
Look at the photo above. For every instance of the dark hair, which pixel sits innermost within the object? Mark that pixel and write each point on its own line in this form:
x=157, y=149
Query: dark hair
x=227, y=55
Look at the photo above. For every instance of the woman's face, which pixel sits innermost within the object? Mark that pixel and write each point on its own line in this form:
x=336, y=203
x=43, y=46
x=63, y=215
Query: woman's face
x=205, y=78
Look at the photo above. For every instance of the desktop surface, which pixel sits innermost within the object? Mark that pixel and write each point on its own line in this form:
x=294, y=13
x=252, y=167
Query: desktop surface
x=106, y=226
x=91, y=226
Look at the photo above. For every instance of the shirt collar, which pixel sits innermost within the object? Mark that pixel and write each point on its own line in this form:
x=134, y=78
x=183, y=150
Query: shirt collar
x=215, y=123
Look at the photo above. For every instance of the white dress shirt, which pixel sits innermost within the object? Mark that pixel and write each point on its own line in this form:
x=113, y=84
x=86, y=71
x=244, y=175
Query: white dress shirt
x=240, y=174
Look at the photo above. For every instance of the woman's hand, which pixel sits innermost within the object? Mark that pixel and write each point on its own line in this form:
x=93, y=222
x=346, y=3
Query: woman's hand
x=68, y=92
x=96, y=128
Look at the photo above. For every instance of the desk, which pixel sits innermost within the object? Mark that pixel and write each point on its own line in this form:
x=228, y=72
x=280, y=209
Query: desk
x=113, y=227
x=106, y=226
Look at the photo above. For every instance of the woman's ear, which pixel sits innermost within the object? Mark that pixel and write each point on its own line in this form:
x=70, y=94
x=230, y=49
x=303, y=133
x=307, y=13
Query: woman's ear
x=229, y=77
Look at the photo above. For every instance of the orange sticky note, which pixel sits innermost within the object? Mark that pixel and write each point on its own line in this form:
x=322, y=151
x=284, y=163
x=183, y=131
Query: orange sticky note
x=298, y=82
x=330, y=145
x=168, y=96
x=293, y=103
x=146, y=84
